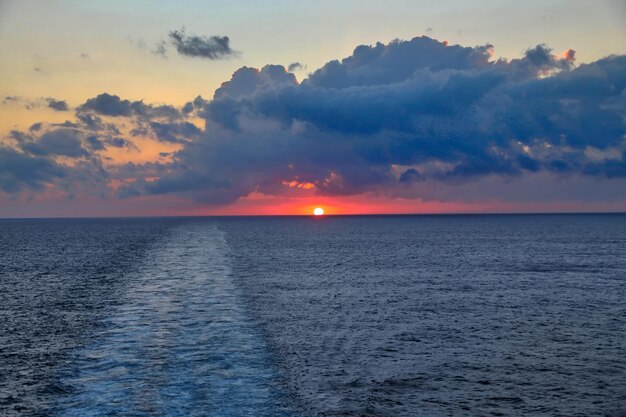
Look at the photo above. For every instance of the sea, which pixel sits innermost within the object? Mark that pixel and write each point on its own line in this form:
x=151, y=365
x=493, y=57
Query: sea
x=443, y=315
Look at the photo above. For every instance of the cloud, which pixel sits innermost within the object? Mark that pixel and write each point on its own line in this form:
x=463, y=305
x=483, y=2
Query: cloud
x=112, y=105
x=139, y=43
x=35, y=127
x=398, y=61
x=62, y=161
x=212, y=47
x=197, y=104
x=96, y=143
x=160, y=50
x=294, y=66
x=392, y=116
x=59, y=142
x=175, y=132
x=120, y=143
x=29, y=104
x=89, y=121
x=413, y=119
x=19, y=171
x=10, y=99
x=58, y=105
x=71, y=139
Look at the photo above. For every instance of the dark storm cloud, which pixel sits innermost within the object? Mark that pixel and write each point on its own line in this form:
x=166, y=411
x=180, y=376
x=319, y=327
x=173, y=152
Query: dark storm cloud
x=211, y=47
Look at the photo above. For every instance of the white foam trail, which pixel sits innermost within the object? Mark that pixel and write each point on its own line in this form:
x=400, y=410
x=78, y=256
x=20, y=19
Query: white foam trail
x=181, y=344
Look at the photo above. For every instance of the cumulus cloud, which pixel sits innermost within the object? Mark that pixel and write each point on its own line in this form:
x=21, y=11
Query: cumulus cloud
x=398, y=61
x=394, y=115
x=209, y=47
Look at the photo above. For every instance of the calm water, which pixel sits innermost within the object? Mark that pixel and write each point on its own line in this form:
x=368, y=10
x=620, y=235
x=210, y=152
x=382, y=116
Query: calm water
x=347, y=316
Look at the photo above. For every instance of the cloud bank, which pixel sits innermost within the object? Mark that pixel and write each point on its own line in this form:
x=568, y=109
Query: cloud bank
x=404, y=119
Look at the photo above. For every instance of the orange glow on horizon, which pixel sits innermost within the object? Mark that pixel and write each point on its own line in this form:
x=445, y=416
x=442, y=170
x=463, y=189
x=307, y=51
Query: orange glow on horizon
x=258, y=204
x=53, y=204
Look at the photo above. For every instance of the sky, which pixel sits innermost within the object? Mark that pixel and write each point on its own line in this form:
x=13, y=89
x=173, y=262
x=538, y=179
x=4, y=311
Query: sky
x=156, y=107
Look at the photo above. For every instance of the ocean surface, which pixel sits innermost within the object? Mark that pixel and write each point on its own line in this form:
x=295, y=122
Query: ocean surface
x=490, y=315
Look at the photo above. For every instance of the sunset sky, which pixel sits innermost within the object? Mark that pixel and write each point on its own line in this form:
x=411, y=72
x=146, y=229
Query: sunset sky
x=122, y=108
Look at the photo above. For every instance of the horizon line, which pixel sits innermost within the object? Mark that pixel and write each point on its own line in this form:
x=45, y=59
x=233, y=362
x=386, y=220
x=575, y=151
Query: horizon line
x=536, y=213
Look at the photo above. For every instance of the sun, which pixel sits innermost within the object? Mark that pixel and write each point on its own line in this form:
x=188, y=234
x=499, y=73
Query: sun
x=318, y=211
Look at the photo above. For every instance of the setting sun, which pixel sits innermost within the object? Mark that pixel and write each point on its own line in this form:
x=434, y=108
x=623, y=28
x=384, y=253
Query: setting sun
x=318, y=211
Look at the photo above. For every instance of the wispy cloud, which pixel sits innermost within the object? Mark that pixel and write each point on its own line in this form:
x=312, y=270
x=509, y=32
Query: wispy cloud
x=30, y=103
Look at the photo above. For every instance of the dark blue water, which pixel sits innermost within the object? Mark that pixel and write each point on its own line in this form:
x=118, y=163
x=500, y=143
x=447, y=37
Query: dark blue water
x=344, y=316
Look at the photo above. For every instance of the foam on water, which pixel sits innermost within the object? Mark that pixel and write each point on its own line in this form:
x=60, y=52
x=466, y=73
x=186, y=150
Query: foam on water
x=180, y=344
